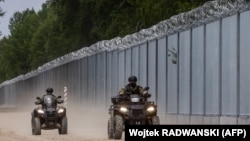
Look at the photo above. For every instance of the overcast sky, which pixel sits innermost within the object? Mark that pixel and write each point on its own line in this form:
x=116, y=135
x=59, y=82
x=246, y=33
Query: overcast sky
x=12, y=6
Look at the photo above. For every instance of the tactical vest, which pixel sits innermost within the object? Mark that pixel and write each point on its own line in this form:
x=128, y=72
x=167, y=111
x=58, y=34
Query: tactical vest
x=49, y=101
x=131, y=90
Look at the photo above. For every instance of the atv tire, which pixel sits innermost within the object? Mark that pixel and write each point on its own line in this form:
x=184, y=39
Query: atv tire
x=36, y=126
x=118, y=127
x=110, y=128
x=64, y=126
x=155, y=120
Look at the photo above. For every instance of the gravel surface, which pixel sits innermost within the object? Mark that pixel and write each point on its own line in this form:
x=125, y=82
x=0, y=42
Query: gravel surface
x=83, y=125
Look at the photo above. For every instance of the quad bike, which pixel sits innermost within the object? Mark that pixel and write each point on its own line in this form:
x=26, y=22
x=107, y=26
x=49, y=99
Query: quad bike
x=131, y=109
x=49, y=116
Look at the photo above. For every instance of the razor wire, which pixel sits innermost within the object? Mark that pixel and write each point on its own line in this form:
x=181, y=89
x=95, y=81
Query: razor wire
x=209, y=11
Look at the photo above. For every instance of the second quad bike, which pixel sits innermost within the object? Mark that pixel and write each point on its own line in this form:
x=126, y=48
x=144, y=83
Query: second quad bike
x=131, y=109
x=49, y=116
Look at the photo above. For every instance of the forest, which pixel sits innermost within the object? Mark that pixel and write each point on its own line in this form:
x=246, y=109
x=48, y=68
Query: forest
x=64, y=26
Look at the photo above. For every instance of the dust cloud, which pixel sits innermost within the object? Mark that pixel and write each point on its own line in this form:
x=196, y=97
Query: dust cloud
x=84, y=124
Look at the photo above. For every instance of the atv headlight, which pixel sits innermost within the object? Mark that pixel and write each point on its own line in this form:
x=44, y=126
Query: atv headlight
x=40, y=111
x=123, y=109
x=151, y=109
x=60, y=111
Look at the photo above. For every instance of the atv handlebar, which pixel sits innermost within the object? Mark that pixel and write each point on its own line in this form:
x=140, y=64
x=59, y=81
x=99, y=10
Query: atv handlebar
x=40, y=101
x=59, y=101
x=147, y=95
x=126, y=97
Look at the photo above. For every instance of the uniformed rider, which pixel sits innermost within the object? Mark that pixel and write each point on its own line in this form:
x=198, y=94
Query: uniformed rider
x=132, y=87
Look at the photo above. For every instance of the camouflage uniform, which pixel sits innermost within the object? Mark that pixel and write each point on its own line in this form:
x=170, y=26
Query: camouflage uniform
x=133, y=90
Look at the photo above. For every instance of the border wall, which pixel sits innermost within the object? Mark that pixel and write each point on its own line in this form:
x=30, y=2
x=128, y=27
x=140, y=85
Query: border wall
x=195, y=63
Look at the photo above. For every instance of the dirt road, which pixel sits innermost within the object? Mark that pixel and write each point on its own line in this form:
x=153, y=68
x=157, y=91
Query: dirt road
x=83, y=125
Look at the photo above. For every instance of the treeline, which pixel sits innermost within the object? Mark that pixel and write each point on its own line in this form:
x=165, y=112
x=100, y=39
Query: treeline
x=64, y=26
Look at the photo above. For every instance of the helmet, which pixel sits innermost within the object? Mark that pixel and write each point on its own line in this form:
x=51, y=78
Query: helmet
x=132, y=79
x=49, y=90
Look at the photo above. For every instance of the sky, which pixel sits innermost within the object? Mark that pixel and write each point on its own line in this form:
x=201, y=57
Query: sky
x=12, y=6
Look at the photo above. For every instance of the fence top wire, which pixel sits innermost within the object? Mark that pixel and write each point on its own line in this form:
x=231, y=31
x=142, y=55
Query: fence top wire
x=207, y=12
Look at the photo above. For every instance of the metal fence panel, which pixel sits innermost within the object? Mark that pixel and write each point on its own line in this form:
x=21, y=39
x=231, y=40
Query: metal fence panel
x=229, y=66
x=13, y=94
x=212, y=78
x=84, y=80
x=135, y=61
x=184, y=72
x=2, y=94
x=7, y=96
x=121, y=69
x=98, y=78
x=49, y=79
x=58, y=88
x=109, y=82
x=92, y=80
x=114, y=71
x=244, y=68
x=101, y=79
x=152, y=50
x=172, y=100
x=128, y=63
x=32, y=92
x=10, y=94
x=143, y=66
x=19, y=96
x=197, y=87
x=162, y=76
x=74, y=83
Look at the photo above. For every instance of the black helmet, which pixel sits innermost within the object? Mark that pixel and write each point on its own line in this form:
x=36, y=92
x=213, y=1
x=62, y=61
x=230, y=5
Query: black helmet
x=49, y=90
x=132, y=79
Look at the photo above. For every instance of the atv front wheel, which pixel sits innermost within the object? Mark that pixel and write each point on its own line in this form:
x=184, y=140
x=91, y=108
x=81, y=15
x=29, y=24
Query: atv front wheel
x=64, y=126
x=36, y=126
x=118, y=127
x=155, y=120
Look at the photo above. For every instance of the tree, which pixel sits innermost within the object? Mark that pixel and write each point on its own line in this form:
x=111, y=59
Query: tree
x=22, y=27
x=1, y=14
x=63, y=26
x=44, y=45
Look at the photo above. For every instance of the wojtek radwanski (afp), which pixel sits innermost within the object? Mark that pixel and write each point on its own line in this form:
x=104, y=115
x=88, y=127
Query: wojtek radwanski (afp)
x=174, y=132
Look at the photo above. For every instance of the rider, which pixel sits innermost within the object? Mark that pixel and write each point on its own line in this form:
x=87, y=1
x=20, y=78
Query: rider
x=132, y=87
x=49, y=95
